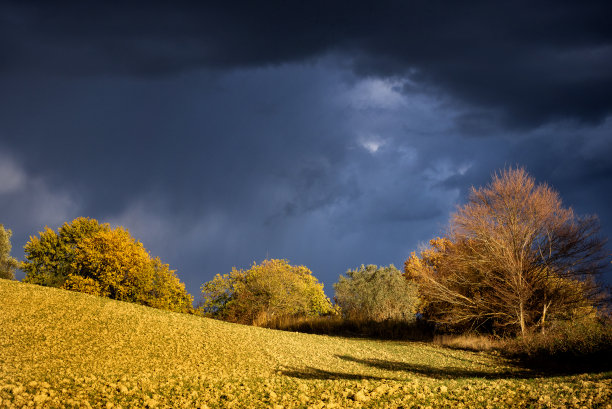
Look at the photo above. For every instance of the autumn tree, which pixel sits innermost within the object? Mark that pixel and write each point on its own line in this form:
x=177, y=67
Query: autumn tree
x=51, y=255
x=90, y=257
x=374, y=293
x=514, y=257
x=7, y=263
x=266, y=291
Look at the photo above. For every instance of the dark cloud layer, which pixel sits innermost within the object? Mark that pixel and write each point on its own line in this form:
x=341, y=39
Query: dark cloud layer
x=530, y=62
x=329, y=133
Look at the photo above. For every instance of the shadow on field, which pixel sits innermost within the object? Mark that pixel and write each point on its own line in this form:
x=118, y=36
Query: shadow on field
x=445, y=354
x=436, y=373
x=567, y=363
x=419, y=369
x=315, y=373
x=425, y=370
x=448, y=372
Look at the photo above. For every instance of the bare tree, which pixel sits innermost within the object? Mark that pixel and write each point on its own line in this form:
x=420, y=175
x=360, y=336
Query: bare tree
x=514, y=256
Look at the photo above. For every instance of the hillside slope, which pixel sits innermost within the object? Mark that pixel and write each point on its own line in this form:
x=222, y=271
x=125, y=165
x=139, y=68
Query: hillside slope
x=59, y=348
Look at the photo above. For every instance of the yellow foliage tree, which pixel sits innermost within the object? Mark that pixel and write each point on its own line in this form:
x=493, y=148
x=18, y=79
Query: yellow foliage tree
x=90, y=257
x=266, y=291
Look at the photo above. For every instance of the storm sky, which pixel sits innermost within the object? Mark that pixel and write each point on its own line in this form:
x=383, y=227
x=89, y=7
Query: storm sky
x=328, y=133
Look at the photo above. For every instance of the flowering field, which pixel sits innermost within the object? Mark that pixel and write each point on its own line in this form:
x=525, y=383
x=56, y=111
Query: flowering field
x=65, y=349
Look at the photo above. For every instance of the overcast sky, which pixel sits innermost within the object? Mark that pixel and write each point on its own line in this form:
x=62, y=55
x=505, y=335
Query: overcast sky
x=328, y=133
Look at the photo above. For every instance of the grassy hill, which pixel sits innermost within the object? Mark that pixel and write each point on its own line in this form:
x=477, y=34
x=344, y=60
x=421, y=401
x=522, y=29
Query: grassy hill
x=65, y=349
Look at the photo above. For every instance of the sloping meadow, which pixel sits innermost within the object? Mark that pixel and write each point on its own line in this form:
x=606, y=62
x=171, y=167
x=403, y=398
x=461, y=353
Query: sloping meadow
x=65, y=349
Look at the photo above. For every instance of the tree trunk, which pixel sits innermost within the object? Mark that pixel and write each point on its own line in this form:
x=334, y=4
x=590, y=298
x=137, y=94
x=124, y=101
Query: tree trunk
x=543, y=320
x=522, y=319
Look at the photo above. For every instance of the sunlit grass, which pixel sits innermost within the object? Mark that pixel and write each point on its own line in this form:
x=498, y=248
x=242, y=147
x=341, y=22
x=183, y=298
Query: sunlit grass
x=65, y=349
x=468, y=342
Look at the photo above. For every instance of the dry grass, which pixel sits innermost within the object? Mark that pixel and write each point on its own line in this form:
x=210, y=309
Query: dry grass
x=468, y=342
x=338, y=326
x=582, y=343
x=65, y=349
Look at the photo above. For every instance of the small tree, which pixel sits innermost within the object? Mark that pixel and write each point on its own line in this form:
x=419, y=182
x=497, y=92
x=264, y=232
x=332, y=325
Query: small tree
x=266, y=291
x=377, y=294
x=7, y=263
x=514, y=257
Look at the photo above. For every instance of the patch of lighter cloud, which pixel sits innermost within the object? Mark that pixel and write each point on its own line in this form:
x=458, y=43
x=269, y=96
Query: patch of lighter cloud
x=371, y=143
x=463, y=168
x=12, y=176
x=439, y=171
x=445, y=169
x=45, y=205
x=376, y=93
x=371, y=146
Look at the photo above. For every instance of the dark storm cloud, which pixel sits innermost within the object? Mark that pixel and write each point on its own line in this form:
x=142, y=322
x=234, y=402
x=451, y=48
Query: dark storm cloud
x=528, y=62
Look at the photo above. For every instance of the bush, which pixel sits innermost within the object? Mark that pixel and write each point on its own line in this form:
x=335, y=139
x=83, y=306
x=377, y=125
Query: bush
x=372, y=293
x=566, y=345
x=265, y=292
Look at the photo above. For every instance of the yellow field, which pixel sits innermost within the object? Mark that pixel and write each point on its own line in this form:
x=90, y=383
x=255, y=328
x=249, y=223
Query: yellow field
x=64, y=349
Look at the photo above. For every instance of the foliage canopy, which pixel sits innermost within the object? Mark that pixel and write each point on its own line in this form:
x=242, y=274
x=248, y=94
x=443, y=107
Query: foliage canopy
x=374, y=293
x=266, y=291
x=90, y=257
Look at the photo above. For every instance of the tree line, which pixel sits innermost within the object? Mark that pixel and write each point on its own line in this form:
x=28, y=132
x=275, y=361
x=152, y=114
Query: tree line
x=512, y=259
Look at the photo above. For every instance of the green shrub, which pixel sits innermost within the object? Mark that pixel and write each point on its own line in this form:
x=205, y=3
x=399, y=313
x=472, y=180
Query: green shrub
x=372, y=293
